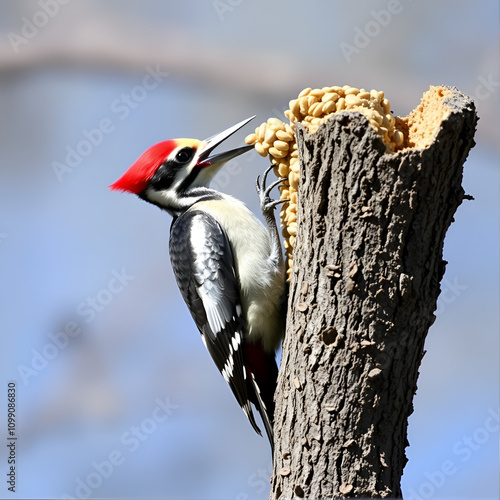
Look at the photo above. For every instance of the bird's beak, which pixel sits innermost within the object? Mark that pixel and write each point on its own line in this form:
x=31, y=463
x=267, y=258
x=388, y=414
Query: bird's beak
x=206, y=160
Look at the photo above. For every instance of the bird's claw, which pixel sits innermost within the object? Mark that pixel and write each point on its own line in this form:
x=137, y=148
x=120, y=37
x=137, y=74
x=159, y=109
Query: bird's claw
x=267, y=204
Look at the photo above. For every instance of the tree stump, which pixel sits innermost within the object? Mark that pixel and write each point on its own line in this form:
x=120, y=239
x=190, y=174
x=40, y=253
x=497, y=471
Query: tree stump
x=366, y=278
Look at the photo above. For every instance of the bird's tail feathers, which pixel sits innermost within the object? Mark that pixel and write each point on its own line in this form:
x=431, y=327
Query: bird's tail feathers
x=249, y=413
x=267, y=418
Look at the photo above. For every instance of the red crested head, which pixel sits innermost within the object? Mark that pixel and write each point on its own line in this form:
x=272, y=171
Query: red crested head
x=174, y=174
x=136, y=178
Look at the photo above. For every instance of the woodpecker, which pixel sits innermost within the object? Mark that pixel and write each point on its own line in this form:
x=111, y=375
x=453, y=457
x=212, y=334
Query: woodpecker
x=228, y=266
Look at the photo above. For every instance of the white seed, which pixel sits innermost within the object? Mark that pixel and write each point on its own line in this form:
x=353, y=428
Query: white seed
x=303, y=106
x=311, y=99
x=290, y=209
x=281, y=145
x=317, y=92
x=387, y=121
x=251, y=138
x=352, y=100
x=398, y=137
x=295, y=107
x=387, y=106
x=276, y=123
x=270, y=135
x=351, y=91
x=260, y=149
x=330, y=96
x=284, y=136
x=316, y=109
x=329, y=107
x=262, y=132
x=283, y=170
x=283, y=221
x=277, y=153
x=377, y=117
x=294, y=179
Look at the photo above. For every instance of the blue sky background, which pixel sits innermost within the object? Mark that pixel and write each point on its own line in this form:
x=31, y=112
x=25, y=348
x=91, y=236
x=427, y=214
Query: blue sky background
x=63, y=239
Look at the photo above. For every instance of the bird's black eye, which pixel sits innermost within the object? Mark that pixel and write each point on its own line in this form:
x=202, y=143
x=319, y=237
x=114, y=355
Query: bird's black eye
x=184, y=155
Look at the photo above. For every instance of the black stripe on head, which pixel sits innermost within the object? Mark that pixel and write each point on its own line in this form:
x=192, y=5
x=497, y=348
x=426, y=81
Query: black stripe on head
x=184, y=186
x=167, y=173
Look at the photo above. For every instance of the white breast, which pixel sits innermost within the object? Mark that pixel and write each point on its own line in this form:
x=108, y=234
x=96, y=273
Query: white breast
x=260, y=281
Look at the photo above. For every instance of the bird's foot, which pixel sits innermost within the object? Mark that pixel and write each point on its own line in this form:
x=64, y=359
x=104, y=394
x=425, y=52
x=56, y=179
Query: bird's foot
x=268, y=204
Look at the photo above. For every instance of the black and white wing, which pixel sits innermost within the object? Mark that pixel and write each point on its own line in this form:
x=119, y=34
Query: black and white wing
x=203, y=264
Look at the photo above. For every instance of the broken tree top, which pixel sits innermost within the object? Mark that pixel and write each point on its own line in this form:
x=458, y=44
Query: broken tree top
x=313, y=107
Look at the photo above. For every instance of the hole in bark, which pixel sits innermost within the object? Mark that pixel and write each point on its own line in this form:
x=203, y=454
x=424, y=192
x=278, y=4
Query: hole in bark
x=299, y=491
x=329, y=336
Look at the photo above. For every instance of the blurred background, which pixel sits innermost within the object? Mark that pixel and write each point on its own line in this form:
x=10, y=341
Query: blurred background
x=116, y=394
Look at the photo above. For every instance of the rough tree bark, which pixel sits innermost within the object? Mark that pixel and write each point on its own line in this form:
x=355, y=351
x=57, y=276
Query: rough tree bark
x=367, y=268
